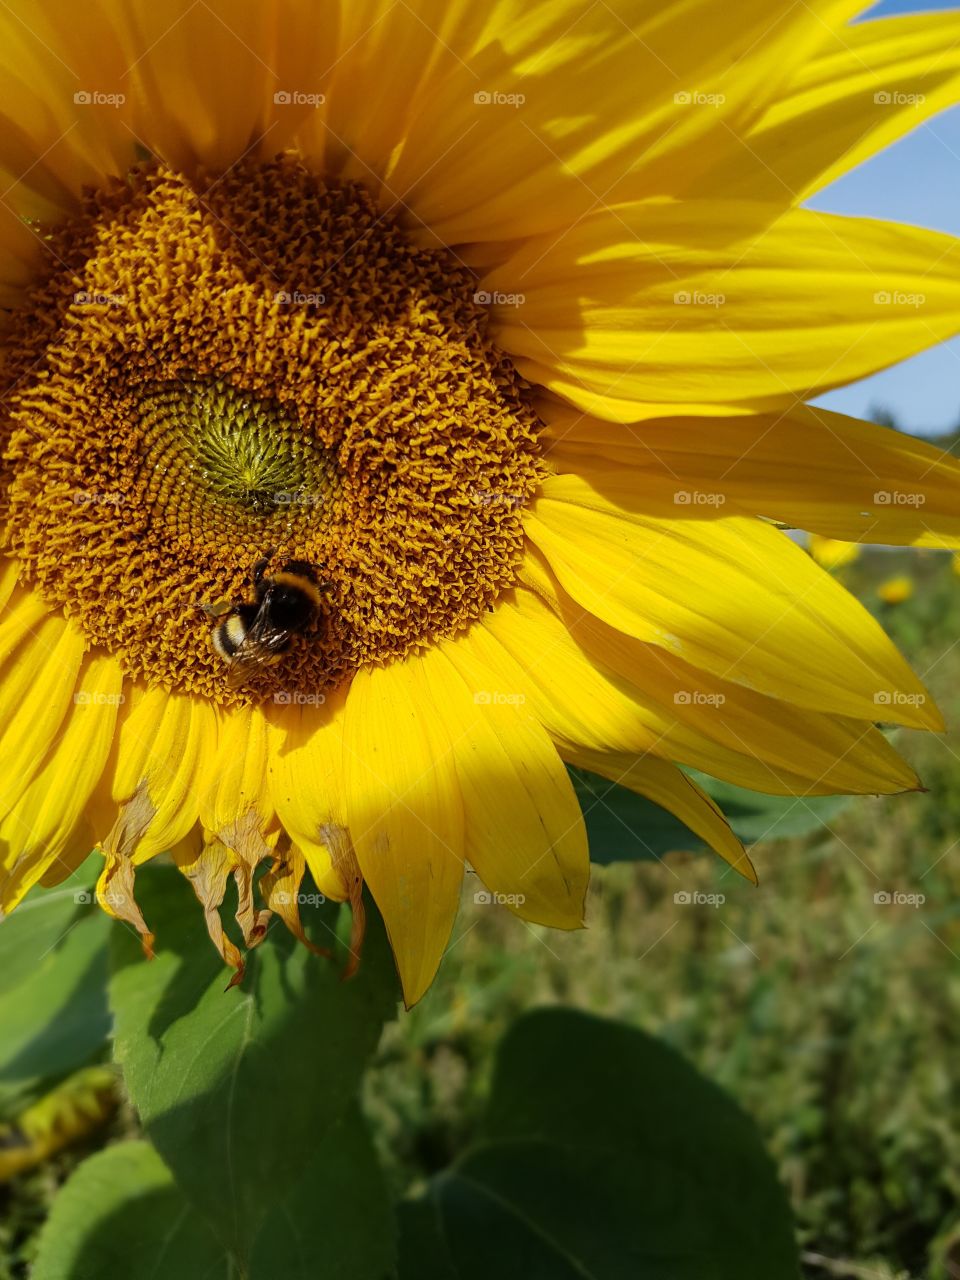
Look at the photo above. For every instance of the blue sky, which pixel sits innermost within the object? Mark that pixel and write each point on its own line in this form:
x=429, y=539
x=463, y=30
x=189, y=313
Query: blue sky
x=917, y=181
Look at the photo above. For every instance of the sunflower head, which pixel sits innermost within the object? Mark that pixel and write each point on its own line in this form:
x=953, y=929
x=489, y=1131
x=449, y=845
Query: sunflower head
x=485, y=337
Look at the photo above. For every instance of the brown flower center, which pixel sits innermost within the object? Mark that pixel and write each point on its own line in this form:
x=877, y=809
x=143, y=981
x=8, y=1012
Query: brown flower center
x=205, y=375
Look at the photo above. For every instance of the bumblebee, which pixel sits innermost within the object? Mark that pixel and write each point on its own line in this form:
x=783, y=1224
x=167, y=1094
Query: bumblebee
x=255, y=634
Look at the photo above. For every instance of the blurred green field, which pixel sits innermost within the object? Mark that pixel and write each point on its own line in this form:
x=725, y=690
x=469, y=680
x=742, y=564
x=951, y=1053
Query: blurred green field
x=832, y=1017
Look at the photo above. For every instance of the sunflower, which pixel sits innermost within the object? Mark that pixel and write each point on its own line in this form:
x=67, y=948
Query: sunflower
x=499, y=320
x=831, y=553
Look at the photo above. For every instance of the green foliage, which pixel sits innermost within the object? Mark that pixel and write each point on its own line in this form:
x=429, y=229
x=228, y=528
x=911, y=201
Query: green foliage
x=122, y=1215
x=625, y=827
x=237, y=1088
x=602, y=1154
x=53, y=989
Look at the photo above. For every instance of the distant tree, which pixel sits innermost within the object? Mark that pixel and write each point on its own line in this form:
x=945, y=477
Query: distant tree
x=884, y=417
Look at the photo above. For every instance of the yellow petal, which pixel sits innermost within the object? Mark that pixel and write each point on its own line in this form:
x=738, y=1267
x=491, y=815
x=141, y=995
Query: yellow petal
x=405, y=815
x=43, y=821
x=810, y=468
x=524, y=831
x=596, y=688
x=64, y=111
x=211, y=82
x=885, y=77
x=164, y=747
x=731, y=595
x=37, y=686
x=719, y=305
x=306, y=784
x=236, y=789
x=542, y=111
x=672, y=790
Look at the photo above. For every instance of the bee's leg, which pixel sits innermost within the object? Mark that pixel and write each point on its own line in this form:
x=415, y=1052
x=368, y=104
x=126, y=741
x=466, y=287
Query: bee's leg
x=219, y=609
x=259, y=571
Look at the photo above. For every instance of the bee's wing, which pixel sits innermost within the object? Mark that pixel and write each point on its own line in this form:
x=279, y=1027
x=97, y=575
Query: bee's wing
x=261, y=646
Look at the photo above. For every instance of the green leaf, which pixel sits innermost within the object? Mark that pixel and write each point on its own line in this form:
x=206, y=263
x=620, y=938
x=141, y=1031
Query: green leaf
x=28, y=934
x=755, y=817
x=624, y=827
x=122, y=1214
x=605, y=1156
x=340, y=1211
x=53, y=989
x=236, y=1088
